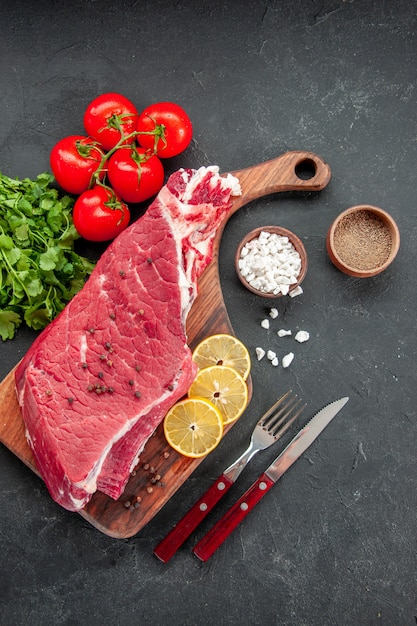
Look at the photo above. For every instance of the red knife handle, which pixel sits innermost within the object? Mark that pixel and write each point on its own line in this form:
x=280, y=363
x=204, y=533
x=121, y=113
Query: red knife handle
x=224, y=527
x=170, y=544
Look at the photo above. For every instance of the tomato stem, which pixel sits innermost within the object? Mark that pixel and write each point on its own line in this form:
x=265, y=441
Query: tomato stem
x=85, y=149
x=158, y=132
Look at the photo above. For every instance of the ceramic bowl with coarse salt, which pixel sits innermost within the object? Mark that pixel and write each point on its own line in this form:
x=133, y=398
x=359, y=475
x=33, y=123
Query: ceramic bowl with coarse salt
x=363, y=241
x=271, y=261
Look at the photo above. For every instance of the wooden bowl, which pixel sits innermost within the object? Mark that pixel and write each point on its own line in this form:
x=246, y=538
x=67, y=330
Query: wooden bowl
x=297, y=245
x=363, y=240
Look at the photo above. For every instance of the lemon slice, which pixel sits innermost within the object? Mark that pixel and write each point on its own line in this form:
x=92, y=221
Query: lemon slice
x=193, y=427
x=225, y=350
x=224, y=388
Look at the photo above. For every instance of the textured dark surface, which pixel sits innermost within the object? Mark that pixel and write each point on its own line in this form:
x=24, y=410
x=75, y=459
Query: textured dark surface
x=335, y=541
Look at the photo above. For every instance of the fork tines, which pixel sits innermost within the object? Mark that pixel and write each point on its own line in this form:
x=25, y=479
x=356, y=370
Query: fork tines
x=279, y=412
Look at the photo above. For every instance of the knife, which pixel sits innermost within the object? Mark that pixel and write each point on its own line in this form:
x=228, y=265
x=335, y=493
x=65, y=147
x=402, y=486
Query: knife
x=297, y=446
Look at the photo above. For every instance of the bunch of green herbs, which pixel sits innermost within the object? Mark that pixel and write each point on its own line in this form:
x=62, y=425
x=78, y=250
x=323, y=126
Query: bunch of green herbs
x=39, y=269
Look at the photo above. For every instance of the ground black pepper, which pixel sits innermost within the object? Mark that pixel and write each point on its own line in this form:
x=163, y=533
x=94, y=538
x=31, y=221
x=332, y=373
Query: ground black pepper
x=362, y=240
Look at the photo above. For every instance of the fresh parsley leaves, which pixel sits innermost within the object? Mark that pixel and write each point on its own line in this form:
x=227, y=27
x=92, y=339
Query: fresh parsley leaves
x=39, y=269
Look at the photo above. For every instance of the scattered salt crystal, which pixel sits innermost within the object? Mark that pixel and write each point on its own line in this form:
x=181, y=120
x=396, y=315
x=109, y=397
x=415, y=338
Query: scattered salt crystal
x=265, y=323
x=271, y=355
x=260, y=353
x=296, y=292
x=275, y=361
x=273, y=313
x=302, y=336
x=287, y=359
x=283, y=333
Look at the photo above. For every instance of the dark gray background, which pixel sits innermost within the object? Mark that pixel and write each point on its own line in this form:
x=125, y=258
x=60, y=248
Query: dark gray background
x=335, y=542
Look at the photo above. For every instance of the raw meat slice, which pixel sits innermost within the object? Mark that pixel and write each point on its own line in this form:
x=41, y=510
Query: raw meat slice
x=100, y=378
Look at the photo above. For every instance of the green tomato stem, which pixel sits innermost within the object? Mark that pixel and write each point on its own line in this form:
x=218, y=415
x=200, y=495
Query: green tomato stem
x=158, y=132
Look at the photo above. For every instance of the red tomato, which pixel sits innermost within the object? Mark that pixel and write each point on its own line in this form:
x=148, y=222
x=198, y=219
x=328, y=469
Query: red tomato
x=74, y=160
x=173, y=126
x=99, y=215
x=106, y=115
x=135, y=174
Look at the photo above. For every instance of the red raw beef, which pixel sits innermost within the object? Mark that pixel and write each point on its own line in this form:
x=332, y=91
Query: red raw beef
x=100, y=378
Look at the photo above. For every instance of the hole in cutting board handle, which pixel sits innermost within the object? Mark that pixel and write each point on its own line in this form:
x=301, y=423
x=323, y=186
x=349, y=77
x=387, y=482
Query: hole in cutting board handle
x=306, y=169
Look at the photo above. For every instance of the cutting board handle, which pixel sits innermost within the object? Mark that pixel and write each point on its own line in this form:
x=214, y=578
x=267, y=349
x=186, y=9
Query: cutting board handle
x=292, y=171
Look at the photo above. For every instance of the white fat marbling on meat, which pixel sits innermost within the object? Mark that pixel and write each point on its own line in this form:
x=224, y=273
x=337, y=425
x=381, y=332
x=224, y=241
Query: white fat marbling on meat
x=185, y=284
x=194, y=179
x=83, y=349
x=184, y=229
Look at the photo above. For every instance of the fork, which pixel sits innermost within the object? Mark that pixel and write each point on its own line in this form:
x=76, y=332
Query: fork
x=271, y=426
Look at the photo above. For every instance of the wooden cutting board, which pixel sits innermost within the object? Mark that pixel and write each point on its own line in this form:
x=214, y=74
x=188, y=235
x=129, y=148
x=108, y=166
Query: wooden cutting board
x=161, y=471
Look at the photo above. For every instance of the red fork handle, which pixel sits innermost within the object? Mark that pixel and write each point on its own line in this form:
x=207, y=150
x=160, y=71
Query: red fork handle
x=174, y=539
x=224, y=527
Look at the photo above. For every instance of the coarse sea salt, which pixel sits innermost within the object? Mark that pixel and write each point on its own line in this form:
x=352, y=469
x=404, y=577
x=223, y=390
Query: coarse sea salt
x=302, y=336
x=260, y=353
x=283, y=333
x=265, y=324
x=296, y=292
x=287, y=359
x=270, y=263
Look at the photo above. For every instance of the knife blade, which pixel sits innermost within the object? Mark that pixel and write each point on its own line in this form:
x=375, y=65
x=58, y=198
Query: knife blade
x=297, y=446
